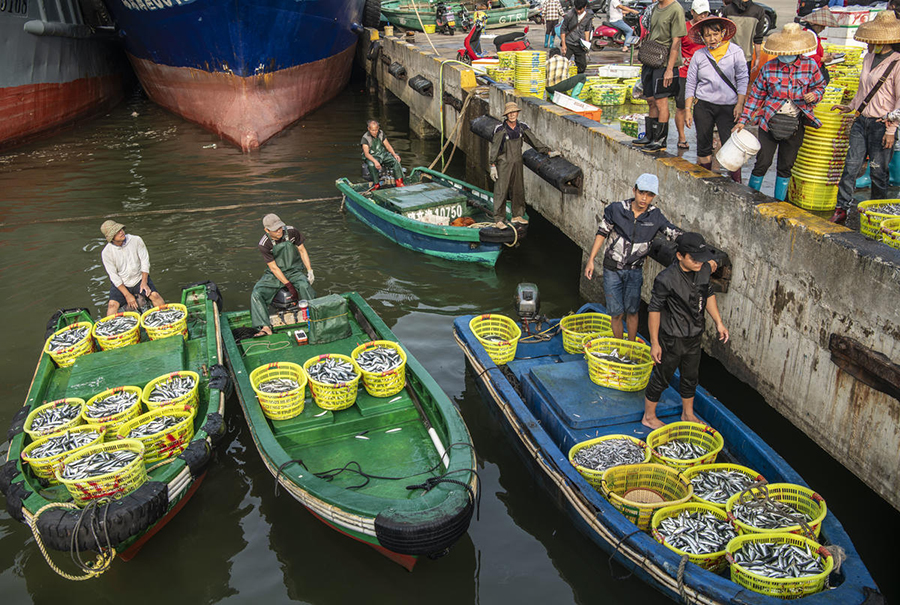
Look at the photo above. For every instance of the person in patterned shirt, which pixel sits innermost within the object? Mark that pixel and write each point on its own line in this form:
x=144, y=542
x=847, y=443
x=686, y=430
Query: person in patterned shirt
x=551, y=11
x=782, y=99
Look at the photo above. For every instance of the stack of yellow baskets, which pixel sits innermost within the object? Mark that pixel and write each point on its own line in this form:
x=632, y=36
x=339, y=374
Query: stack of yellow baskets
x=507, y=59
x=820, y=161
x=531, y=73
x=505, y=75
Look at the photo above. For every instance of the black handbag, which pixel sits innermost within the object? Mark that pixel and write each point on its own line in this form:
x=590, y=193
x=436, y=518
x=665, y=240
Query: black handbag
x=783, y=126
x=653, y=54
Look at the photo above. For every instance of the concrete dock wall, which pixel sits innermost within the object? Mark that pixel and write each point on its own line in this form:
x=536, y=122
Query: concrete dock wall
x=797, y=279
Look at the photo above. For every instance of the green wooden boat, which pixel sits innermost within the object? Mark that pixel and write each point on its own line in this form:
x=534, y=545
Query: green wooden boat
x=398, y=213
x=396, y=473
x=402, y=13
x=122, y=525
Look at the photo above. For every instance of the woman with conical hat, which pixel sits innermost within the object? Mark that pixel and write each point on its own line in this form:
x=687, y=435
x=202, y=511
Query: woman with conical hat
x=782, y=100
x=871, y=132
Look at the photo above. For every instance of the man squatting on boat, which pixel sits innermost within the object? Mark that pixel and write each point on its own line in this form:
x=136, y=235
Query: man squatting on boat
x=377, y=152
x=127, y=263
x=285, y=255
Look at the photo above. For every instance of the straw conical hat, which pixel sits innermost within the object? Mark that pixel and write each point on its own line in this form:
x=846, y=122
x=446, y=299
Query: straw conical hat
x=883, y=29
x=791, y=40
x=727, y=24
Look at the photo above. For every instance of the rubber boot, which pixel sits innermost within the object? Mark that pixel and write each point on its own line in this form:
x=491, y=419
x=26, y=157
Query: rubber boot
x=577, y=90
x=895, y=169
x=552, y=40
x=781, y=187
x=546, y=40
x=662, y=134
x=650, y=124
x=398, y=182
x=707, y=165
x=735, y=176
x=865, y=180
x=755, y=182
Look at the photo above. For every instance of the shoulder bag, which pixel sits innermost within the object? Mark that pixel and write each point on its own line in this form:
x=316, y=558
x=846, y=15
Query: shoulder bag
x=877, y=87
x=722, y=75
x=653, y=54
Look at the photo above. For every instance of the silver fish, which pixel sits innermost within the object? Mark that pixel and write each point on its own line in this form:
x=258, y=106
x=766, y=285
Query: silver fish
x=114, y=404
x=151, y=427
x=332, y=371
x=719, y=485
x=615, y=357
x=278, y=385
x=64, y=442
x=609, y=453
x=115, y=326
x=379, y=359
x=681, y=450
x=888, y=209
x=97, y=464
x=54, y=417
x=163, y=317
x=173, y=388
x=768, y=514
x=778, y=561
x=67, y=338
x=697, y=533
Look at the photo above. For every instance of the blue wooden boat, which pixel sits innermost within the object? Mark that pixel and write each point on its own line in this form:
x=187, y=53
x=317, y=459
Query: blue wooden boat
x=546, y=403
x=400, y=214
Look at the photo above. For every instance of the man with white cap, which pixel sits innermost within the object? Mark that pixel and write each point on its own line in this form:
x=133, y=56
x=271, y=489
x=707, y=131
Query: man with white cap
x=285, y=255
x=630, y=226
x=127, y=263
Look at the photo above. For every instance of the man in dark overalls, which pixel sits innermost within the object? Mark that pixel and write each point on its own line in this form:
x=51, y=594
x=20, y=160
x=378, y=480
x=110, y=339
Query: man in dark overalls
x=377, y=151
x=505, y=156
x=285, y=255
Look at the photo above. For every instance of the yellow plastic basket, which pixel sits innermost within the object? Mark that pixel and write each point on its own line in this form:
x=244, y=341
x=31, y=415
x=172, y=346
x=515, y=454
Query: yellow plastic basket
x=383, y=384
x=128, y=337
x=576, y=327
x=803, y=499
x=112, y=423
x=592, y=476
x=333, y=396
x=693, y=432
x=609, y=94
x=178, y=327
x=810, y=195
x=498, y=334
x=191, y=398
x=111, y=485
x=163, y=444
x=715, y=561
x=619, y=376
x=280, y=406
x=72, y=401
x=870, y=217
x=890, y=232
x=639, y=490
x=783, y=588
x=691, y=472
x=66, y=357
x=45, y=468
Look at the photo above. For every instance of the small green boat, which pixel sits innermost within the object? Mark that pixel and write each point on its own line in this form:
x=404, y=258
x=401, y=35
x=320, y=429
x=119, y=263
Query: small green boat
x=396, y=472
x=401, y=13
x=121, y=524
x=401, y=214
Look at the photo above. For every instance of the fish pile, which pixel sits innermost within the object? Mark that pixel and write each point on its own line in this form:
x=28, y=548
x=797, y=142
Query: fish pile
x=97, y=464
x=681, y=450
x=109, y=406
x=697, y=533
x=51, y=418
x=379, y=359
x=615, y=357
x=609, y=453
x=173, y=388
x=278, y=385
x=68, y=338
x=718, y=486
x=163, y=317
x=332, y=371
x=888, y=209
x=768, y=514
x=151, y=427
x=778, y=561
x=64, y=442
x=493, y=338
x=115, y=326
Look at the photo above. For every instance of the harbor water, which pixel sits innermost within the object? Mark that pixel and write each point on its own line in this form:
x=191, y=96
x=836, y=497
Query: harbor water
x=197, y=202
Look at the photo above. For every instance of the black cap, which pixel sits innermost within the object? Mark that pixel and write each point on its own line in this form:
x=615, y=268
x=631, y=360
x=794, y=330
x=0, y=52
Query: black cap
x=694, y=244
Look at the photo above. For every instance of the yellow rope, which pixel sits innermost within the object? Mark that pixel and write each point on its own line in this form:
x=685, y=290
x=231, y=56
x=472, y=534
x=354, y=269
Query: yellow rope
x=99, y=567
x=422, y=25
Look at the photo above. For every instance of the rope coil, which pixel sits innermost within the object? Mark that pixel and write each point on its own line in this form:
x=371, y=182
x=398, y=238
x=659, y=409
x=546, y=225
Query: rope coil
x=104, y=557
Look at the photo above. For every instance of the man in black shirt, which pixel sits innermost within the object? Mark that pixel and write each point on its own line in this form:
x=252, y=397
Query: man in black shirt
x=680, y=295
x=572, y=39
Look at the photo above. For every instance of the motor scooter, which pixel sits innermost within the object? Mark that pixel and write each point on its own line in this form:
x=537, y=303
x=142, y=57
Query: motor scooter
x=445, y=20
x=464, y=18
x=609, y=36
x=507, y=42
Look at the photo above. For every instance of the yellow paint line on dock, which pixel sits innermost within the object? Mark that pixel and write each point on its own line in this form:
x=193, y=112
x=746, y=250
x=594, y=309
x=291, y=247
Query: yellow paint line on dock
x=689, y=167
x=797, y=217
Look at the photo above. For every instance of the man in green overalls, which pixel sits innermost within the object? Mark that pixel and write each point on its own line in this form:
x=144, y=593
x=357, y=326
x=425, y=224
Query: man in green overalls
x=283, y=250
x=376, y=150
x=505, y=155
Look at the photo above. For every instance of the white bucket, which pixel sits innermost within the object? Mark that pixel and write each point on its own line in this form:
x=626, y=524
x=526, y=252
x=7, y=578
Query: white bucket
x=739, y=148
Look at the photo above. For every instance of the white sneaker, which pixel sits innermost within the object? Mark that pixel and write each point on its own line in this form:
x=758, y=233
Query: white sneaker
x=501, y=225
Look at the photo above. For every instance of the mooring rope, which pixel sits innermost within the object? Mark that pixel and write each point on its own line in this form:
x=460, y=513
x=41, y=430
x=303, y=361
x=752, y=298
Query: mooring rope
x=105, y=555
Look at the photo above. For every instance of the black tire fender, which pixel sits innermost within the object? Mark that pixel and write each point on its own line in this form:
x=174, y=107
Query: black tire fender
x=8, y=472
x=51, y=323
x=197, y=455
x=16, y=494
x=214, y=427
x=424, y=532
x=372, y=13
x=374, y=49
x=493, y=235
x=17, y=425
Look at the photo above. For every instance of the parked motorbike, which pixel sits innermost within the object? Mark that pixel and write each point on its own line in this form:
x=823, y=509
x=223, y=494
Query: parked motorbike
x=464, y=19
x=608, y=36
x=445, y=20
x=472, y=44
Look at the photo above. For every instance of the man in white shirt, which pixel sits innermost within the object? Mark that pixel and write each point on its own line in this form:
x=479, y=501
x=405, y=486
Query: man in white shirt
x=127, y=263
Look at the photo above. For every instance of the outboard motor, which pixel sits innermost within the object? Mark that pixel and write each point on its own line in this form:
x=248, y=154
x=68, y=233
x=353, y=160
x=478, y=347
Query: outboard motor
x=283, y=301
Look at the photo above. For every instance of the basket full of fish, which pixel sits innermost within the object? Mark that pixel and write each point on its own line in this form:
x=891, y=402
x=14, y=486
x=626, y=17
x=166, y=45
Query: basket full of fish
x=280, y=388
x=113, y=407
x=685, y=444
x=45, y=454
x=106, y=470
x=780, y=565
x=175, y=388
x=498, y=334
x=714, y=484
x=69, y=343
x=333, y=380
x=54, y=417
x=578, y=325
x=592, y=457
x=698, y=530
x=165, y=432
x=778, y=508
x=639, y=490
x=119, y=330
x=383, y=367
x=165, y=320
x=623, y=365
